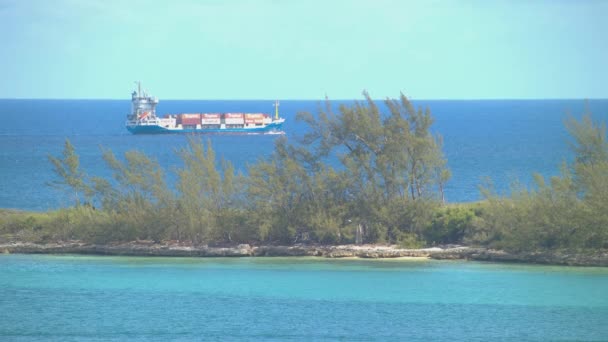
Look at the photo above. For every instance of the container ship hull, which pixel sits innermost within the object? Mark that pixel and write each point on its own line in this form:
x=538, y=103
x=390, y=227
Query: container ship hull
x=157, y=129
x=143, y=120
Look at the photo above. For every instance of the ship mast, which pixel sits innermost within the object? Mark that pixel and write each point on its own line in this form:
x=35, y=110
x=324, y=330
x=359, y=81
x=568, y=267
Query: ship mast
x=276, y=110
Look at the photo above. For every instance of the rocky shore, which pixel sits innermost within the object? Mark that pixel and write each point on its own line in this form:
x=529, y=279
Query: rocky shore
x=558, y=257
x=149, y=248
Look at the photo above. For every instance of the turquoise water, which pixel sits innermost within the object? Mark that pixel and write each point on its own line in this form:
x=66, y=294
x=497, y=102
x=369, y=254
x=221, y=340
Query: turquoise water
x=69, y=298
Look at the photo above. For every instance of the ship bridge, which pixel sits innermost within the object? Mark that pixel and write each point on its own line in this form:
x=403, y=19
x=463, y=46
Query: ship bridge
x=142, y=105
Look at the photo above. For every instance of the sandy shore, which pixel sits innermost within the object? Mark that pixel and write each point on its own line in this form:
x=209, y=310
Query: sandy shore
x=149, y=248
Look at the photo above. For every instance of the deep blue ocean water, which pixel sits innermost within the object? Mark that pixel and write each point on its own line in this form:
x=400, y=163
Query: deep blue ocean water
x=505, y=140
x=82, y=298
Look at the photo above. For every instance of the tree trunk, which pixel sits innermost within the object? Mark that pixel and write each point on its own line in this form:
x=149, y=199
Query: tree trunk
x=359, y=235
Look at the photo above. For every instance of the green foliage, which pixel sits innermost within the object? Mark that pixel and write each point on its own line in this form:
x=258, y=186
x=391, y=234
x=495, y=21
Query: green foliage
x=21, y=226
x=386, y=156
x=570, y=211
x=207, y=203
x=140, y=200
x=80, y=222
x=450, y=224
x=392, y=167
x=386, y=189
x=71, y=178
x=588, y=140
x=279, y=192
x=409, y=240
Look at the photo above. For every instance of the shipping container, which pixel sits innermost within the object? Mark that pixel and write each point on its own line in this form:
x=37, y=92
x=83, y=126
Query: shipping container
x=254, y=121
x=190, y=115
x=254, y=116
x=189, y=119
x=190, y=122
x=210, y=121
x=234, y=121
x=211, y=115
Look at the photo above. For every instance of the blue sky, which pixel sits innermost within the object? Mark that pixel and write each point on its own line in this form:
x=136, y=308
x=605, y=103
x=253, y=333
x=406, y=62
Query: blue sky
x=267, y=49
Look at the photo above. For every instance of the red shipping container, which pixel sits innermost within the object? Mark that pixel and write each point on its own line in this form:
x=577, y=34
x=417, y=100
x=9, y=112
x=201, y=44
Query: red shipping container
x=191, y=116
x=211, y=115
x=189, y=119
x=190, y=122
x=233, y=115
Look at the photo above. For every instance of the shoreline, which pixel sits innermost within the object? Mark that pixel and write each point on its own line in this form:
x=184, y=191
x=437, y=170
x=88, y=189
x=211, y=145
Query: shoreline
x=172, y=249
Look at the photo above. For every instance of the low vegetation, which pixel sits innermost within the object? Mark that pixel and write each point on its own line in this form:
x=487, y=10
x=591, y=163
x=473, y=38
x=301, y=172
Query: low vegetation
x=386, y=188
x=569, y=211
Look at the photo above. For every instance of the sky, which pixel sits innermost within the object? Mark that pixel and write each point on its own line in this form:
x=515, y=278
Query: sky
x=304, y=49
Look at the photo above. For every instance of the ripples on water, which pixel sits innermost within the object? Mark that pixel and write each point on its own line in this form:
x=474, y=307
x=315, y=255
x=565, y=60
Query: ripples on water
x=116, y=298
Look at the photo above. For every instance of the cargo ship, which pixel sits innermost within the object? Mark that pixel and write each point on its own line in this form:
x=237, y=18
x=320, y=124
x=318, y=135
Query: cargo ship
x=143, y=119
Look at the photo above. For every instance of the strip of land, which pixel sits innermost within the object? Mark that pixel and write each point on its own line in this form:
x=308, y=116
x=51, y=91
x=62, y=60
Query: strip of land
x=173, y=249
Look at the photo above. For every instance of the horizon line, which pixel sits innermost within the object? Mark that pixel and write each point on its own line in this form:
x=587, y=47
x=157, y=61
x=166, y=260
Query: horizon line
x=320, y=99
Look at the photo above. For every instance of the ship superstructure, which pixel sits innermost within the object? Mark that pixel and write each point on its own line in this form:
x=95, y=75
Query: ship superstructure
x=143, y=119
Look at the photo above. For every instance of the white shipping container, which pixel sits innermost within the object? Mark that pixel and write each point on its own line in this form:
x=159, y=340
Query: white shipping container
x=167, y=122
x=210, y=121
x=234, y=121
x=254, y=121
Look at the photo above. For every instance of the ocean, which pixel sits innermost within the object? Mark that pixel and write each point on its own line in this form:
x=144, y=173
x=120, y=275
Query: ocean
x=93, y=298
x=502, y=140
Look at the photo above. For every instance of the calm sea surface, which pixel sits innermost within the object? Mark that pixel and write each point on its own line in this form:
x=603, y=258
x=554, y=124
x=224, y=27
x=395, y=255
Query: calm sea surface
x=505, y=140
x=81, y=298
x=76, y=298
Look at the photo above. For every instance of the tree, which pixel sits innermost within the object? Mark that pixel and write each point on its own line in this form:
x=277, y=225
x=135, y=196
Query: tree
x=588, y=140
x=71, y=178
x=590, y=169
x=390, y=178
x=208, y=196
x=140, y=198
x=568, y=211
x=389, y=159
x=276, y=190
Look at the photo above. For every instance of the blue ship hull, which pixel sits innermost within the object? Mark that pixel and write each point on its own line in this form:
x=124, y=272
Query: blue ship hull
x=143, y=120
x=154, y=129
